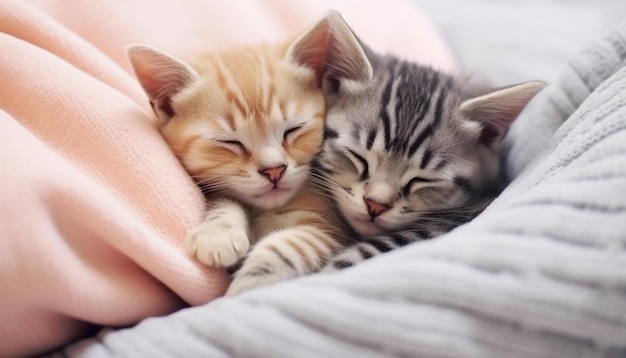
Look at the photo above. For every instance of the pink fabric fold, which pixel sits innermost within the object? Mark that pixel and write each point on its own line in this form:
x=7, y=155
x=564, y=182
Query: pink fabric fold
x=94, y=206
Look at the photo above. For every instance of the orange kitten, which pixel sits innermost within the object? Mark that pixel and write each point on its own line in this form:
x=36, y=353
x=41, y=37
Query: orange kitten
x=246, y=124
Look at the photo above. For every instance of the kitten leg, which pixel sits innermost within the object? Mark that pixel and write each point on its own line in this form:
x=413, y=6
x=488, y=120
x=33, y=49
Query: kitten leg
x=350, y=257
x=283, y=255
x=370, y=247
x=221, y=240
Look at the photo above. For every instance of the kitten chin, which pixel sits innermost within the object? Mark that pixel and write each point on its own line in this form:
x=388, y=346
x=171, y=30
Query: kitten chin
x=367, y=227
x=271, y=199
x=258, y=193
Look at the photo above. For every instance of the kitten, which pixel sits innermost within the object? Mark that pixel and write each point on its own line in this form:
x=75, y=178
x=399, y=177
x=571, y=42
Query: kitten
x=246, y=125
x=410, y=152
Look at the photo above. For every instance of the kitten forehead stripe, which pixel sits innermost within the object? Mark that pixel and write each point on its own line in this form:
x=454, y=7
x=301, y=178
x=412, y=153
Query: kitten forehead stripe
x=411, y=104
x=400, y=125
x=426, y=159
x=271, y=91
x=229, y=91
x=425, y=107
x=230, y=120
x=428, y=131
x=439, y=107
x=383, y=112
x=370, y=138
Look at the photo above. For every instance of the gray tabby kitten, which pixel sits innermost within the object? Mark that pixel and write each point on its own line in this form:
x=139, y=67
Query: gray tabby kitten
x=409, y=152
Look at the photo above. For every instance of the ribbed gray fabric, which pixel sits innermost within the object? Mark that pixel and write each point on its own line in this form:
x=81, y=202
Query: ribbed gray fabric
x=541, y=273
x=560, y=100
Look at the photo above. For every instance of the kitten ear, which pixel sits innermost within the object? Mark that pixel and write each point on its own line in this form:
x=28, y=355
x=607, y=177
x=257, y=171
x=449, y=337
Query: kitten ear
x=497, y=110
x=331, y=47
x=161, y=76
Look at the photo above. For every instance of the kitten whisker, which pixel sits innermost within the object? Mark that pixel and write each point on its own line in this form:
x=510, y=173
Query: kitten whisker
x=323, y=179
x=445, y=155
x=460, y=142
x=327, y=185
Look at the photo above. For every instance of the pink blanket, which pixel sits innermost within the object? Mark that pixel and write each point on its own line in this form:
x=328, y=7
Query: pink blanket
x=94, y=206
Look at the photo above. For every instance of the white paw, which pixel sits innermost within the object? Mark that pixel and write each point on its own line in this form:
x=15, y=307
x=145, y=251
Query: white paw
x=218, y=242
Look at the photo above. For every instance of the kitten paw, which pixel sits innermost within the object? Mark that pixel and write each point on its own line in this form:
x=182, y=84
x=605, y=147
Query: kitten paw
x=261, y=268
x=218, y=243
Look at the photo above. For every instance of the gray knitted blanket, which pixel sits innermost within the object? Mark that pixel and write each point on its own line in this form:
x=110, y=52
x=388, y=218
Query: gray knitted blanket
x=541, y=273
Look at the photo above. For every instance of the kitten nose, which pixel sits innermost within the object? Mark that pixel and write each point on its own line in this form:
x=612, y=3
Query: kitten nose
x=273, y=174
x=375, y=208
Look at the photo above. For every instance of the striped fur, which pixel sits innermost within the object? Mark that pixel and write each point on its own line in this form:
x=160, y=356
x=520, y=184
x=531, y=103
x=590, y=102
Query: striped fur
x=411, y=152
x=246, y=124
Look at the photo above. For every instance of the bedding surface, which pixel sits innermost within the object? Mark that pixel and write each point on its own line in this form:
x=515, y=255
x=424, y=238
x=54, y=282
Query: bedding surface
x=512, y=41
x=541, y=273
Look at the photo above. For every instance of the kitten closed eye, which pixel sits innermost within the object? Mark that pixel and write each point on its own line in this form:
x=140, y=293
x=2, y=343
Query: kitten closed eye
x=364, y=165
x=291, y=132
x=233, y=143
x=415, y=182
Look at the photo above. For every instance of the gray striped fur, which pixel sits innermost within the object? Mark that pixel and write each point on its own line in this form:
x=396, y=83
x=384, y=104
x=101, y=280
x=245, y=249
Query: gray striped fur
x=420, y=142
